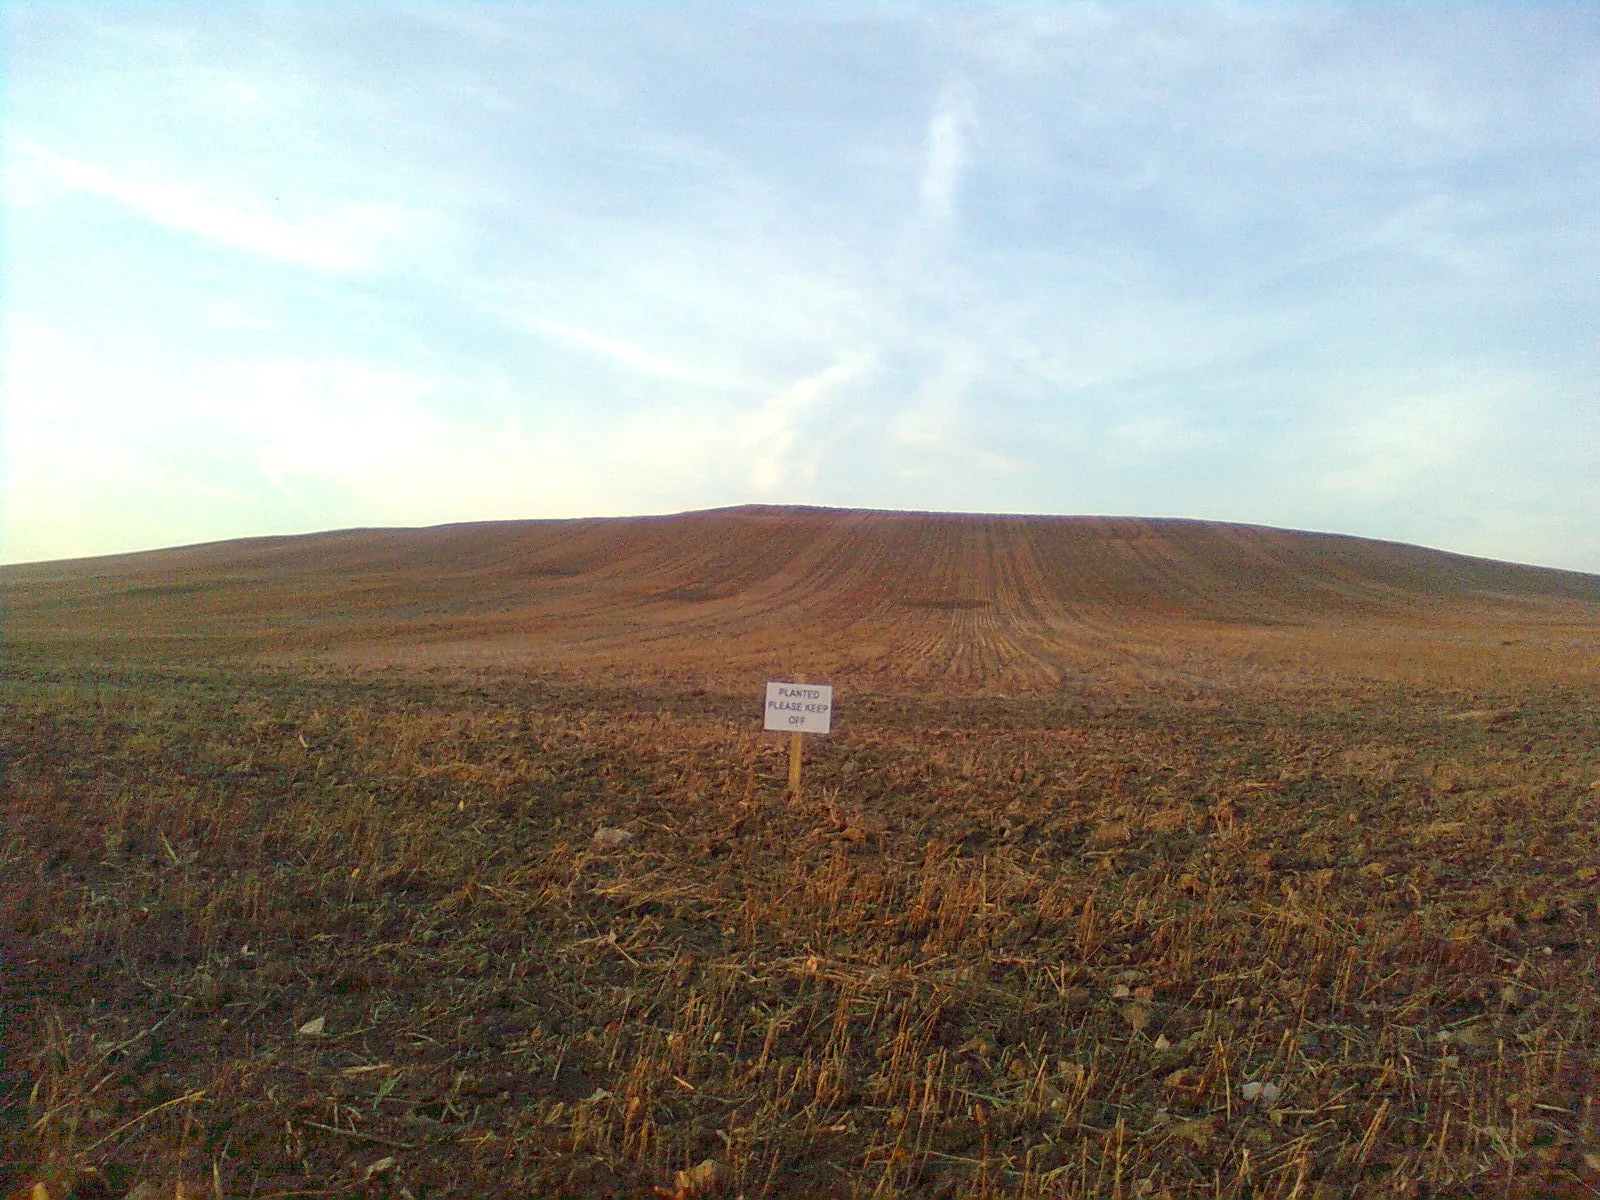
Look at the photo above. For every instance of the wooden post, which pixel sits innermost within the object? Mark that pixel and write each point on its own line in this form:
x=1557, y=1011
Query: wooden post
x=794, y=755
x=794, y=763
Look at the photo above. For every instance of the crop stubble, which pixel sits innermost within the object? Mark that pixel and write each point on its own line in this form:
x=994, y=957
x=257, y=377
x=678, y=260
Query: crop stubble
x=1004, y=947
x=1118, y=819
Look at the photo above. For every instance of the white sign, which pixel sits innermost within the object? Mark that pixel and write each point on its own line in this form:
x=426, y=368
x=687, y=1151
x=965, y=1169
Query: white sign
x=800, y=707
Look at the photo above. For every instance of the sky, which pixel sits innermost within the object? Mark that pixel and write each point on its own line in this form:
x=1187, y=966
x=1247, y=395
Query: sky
x=275, y=268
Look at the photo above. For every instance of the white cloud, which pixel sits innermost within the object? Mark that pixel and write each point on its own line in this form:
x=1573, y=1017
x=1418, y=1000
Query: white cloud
x=347, y=237
x=389, y=442
x=694, y=258
x=227, y=317
x=1154, y=438
x=1391, y=447
x=950, y=131
x=769, y=436
x=933, y=419
x=627, y=354
x=1435, y=229
x=662, y=458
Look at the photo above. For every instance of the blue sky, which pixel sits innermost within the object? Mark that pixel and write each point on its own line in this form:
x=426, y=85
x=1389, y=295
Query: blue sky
x=279, y=268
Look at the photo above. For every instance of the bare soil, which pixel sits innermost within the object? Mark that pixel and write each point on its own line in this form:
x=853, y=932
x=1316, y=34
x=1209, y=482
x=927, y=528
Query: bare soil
x=1233, y=886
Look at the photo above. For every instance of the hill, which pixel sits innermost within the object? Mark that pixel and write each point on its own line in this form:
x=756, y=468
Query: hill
x=1143, y=856
x=957, y=602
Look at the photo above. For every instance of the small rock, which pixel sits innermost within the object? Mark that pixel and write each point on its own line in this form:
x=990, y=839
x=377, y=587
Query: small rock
x=698, y=1181
x=314, y=1027
x=608, y=838
x=1267, y=1093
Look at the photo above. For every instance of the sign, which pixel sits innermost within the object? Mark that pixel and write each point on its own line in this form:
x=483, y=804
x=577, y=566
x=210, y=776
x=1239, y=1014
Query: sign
x=799, y=707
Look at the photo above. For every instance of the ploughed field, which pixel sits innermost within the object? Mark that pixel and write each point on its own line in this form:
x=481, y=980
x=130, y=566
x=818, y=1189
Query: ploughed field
x=1145, y=858
x=872, y=601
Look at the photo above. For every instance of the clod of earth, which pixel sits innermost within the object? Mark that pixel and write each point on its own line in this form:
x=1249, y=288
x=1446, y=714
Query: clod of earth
x=606, y=838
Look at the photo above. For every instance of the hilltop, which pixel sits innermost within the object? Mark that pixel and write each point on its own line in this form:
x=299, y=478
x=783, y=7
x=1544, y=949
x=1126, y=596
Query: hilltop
x=1007, y=603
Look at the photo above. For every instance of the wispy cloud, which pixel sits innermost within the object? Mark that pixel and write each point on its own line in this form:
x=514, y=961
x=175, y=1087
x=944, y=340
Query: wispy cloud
x=950, y=131
x=1406, y=446
x=629, y=355
x=347, y=238
x=932, y=421
x=1296, y=265
x=770, y=435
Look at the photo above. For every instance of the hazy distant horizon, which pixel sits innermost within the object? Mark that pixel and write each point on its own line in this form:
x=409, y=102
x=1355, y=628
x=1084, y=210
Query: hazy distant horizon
x=293, y=269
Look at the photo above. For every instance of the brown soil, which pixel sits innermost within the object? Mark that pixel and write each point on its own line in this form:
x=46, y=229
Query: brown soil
x=1120, y=822
x=872, y=600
